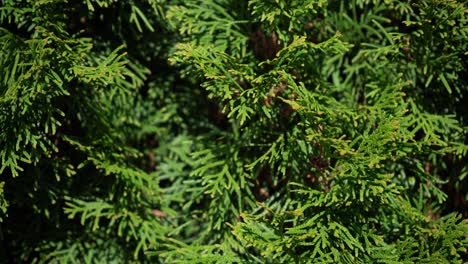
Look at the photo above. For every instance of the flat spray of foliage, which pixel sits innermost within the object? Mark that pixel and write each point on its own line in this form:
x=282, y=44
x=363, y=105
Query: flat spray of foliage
x=226, y=131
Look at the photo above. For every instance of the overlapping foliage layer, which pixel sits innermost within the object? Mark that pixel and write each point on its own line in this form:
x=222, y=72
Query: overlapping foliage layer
x=224, y=131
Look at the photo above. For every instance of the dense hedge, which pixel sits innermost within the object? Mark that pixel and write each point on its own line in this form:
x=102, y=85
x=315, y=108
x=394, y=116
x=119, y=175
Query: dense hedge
x=226, y=131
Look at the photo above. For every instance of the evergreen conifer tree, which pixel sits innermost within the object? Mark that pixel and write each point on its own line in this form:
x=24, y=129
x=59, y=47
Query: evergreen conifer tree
x=225, y=131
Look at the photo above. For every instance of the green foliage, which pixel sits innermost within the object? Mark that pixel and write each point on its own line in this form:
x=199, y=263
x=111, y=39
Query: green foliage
x=227, y=131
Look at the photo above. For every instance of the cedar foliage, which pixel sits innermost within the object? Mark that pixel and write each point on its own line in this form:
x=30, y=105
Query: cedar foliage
x=222, y=131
